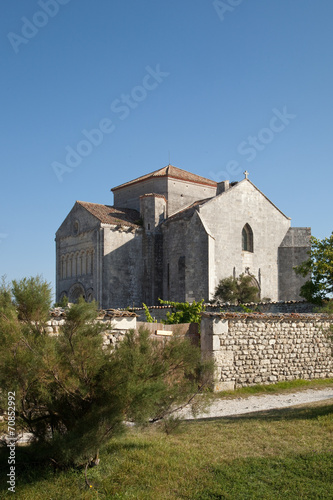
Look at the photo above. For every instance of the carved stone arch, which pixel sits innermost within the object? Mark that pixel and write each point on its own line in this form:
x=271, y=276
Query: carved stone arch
x=63, y=267
x=75, y=292
x=81, y=262
x=76, y=263
x=84, y=262
x=90, y=259
x=62, y=295
x=68, y=265
x=247, y=238
x=254, y=282
x=71, y=265
x=90, y=295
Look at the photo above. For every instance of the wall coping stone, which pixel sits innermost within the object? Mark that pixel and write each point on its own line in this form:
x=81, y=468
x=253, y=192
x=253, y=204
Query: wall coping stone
x=269, y=316
x=60, y=312
x=226, y=304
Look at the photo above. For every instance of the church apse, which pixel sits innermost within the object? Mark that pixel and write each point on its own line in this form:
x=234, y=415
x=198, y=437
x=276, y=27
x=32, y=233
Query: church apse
x=172, y=234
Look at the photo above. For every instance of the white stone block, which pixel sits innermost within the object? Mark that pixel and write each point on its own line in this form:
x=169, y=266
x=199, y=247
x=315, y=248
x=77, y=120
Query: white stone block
x=166, y=333
x=122, y=323
x=216, y=344
x=220, y=326
x=224, y=386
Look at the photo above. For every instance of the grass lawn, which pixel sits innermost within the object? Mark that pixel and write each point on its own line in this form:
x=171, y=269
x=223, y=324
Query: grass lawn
x=277, y=454
x=278, y=388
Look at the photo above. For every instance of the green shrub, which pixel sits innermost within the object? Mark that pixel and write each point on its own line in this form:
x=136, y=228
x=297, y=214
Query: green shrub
x=183, y=312
x=73, y=394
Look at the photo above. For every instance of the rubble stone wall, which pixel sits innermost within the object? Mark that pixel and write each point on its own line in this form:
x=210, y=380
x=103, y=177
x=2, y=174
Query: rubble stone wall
x=251, y=349
x=117, y=326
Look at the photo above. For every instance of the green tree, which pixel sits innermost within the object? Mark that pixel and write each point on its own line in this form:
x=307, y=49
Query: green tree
x=74, y=394
x=63, y=302
x=6, y=297
x=237, y=291
x=32, y=297
x=319, y=269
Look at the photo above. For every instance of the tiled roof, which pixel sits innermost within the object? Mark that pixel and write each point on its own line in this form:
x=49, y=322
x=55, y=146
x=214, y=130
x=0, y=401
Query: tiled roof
x=111, y=215
x=117, y=313
x=173, y=172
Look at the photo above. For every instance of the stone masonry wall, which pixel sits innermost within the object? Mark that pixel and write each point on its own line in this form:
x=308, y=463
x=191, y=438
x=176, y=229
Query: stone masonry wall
x=251, y=349
x=118, y=323
x=115, y=326
x=248, y=348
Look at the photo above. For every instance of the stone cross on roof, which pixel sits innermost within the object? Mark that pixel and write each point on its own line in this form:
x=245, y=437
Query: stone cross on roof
x=246, y=173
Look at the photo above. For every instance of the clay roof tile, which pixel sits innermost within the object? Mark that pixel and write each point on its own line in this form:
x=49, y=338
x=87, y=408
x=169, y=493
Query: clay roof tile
x=111, y=215
x=173, y=172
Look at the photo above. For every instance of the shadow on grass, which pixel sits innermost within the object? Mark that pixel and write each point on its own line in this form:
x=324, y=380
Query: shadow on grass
x=29, y=469
x=116, y=447
x=294, y=413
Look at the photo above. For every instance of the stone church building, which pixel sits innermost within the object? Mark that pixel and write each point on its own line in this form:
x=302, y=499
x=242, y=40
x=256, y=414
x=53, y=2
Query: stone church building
x=173, y=234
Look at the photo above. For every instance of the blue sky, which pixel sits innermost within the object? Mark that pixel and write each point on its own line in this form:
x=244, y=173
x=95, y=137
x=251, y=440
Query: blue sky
x=94, y=94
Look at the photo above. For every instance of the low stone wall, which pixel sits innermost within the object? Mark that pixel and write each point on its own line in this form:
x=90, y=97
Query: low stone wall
x=251, y=349
x=117, y=323
x=188, y=330
x=248, y=348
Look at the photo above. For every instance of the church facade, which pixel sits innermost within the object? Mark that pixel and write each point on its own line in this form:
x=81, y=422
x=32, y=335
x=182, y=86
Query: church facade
x=173, y=235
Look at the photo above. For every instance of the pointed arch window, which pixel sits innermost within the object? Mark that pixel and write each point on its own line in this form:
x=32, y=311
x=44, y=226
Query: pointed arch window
x=247, y=238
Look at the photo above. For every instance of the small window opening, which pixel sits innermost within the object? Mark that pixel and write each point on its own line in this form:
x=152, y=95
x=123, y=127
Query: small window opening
x=247, y=238
x=76, y=228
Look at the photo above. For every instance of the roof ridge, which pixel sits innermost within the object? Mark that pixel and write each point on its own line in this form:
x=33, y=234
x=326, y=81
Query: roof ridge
x=170, y=171
x=91, y=203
